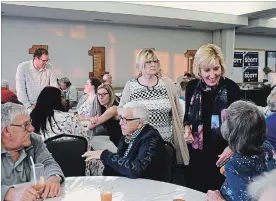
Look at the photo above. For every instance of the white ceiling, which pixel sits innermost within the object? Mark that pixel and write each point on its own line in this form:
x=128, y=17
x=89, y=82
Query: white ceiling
x=233, y=8
x=163, y=14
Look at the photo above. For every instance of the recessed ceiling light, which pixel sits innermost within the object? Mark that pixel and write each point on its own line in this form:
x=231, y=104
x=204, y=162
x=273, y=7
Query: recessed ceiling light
x=184, y=26
x=102, y=20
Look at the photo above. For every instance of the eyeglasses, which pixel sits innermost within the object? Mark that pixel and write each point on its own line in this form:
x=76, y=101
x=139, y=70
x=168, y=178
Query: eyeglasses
x=155, y=62
x=25, y=126
x=44, y=60
x=102, y=95
x=125, y=120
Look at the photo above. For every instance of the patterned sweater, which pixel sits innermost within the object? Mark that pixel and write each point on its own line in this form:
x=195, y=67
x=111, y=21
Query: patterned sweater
x=242, y=170
x=147, y=158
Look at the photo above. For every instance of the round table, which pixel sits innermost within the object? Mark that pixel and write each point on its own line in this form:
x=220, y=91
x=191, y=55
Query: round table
x=124, y=189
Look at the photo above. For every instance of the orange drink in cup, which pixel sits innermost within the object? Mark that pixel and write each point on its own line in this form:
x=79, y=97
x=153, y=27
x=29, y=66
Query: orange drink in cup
x=40, y=185
x=106, y=193
x=37, y=177
x=106, y=196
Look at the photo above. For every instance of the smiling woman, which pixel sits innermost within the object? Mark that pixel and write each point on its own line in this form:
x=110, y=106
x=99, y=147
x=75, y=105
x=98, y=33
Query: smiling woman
x=206, y=100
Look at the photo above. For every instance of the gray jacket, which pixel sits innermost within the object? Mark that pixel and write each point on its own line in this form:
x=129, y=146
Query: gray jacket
x=95, y=109
x=20, y=171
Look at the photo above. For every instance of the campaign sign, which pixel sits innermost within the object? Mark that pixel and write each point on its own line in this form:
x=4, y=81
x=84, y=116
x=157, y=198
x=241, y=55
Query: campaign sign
x=238, y=59
x=250, y=74
x=251, y=59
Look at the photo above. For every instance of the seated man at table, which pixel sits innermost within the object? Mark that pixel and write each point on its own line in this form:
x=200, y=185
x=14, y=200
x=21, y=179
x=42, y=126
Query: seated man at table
x=19, y=143
x=141, y=151
x=70, y=92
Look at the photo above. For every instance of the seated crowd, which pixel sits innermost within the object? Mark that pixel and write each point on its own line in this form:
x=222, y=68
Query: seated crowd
x=221, y=143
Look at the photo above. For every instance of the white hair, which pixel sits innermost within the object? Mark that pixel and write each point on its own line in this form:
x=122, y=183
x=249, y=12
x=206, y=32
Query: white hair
x=271, y=102
x=139, y=110
x=9, y=111
x=5, y=83
x=262, y=183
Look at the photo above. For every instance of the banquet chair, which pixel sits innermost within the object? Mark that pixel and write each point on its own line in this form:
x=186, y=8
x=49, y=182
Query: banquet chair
x=67, y=150
x=172, y=157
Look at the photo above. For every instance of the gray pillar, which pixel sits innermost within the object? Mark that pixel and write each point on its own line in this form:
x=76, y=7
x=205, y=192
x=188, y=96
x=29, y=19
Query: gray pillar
x=225, y=39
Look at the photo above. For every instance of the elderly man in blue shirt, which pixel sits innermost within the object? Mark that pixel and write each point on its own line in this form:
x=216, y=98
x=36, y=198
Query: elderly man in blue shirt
x=19, y=143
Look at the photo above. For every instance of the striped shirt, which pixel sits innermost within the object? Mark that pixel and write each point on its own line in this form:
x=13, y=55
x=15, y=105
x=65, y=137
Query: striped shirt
x=30, y=82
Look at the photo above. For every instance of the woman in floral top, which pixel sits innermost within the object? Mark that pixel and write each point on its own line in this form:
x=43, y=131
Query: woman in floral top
x=48, y=117
x=245, y=130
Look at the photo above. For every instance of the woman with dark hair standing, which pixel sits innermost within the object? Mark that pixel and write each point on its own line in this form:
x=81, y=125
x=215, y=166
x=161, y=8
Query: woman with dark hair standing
x=88, y=105
x=48, y=117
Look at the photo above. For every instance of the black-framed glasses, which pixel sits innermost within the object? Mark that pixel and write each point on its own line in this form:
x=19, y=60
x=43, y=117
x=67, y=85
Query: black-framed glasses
x=102, y=95
x=25, y=126
x=125, y=120
x=45, y=60
x=154, y=61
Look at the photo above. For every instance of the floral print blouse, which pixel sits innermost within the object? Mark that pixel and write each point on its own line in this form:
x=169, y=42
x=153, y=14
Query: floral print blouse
x=85, y=109
x=242, y=170
x=63, y=123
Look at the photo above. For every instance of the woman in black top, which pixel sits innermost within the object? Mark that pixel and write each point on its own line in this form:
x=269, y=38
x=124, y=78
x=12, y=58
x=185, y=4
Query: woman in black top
x=108, y=101
x=207, y=99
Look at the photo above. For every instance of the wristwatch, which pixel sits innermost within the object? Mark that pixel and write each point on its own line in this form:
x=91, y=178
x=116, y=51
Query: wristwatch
x=60, y=178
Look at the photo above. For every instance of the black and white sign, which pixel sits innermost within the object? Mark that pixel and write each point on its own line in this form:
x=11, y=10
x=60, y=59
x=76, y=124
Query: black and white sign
x=238, y=59
x=251, y=59
x=250, y=74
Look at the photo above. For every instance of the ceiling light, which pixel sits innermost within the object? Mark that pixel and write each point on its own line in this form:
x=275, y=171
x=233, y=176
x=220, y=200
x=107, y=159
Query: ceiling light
x=184, y=26
x=102, y=20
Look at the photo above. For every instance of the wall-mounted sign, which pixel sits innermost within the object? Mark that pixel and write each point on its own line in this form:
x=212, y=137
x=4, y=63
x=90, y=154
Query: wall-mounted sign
x=250, y=74
x=251, y=59
x=238, y=59
x=98, y=54
x=34, y=47
x=249, y=62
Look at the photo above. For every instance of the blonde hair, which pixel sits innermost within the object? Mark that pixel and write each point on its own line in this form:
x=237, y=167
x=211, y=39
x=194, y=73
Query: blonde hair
x=146, y=54
x=205, y=55
x=110, y=91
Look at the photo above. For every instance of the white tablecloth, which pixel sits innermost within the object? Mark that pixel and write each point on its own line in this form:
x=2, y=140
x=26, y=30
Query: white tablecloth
x=124, y=189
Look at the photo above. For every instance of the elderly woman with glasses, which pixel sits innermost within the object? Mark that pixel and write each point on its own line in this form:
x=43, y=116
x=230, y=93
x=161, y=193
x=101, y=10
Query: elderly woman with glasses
x=244, y=129
x=141, y=151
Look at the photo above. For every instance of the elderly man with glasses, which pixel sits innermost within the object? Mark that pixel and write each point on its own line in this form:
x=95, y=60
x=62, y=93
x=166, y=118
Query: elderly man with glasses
x=32, y=76
x=19, y=144
x=141, y=152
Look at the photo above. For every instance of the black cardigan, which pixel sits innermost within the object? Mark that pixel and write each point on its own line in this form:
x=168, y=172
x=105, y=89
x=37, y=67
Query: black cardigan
x=147, y=158
x=233, y=94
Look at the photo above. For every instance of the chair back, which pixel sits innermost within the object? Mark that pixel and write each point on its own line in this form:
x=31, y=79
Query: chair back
x=172, y=157
x=67, y=150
